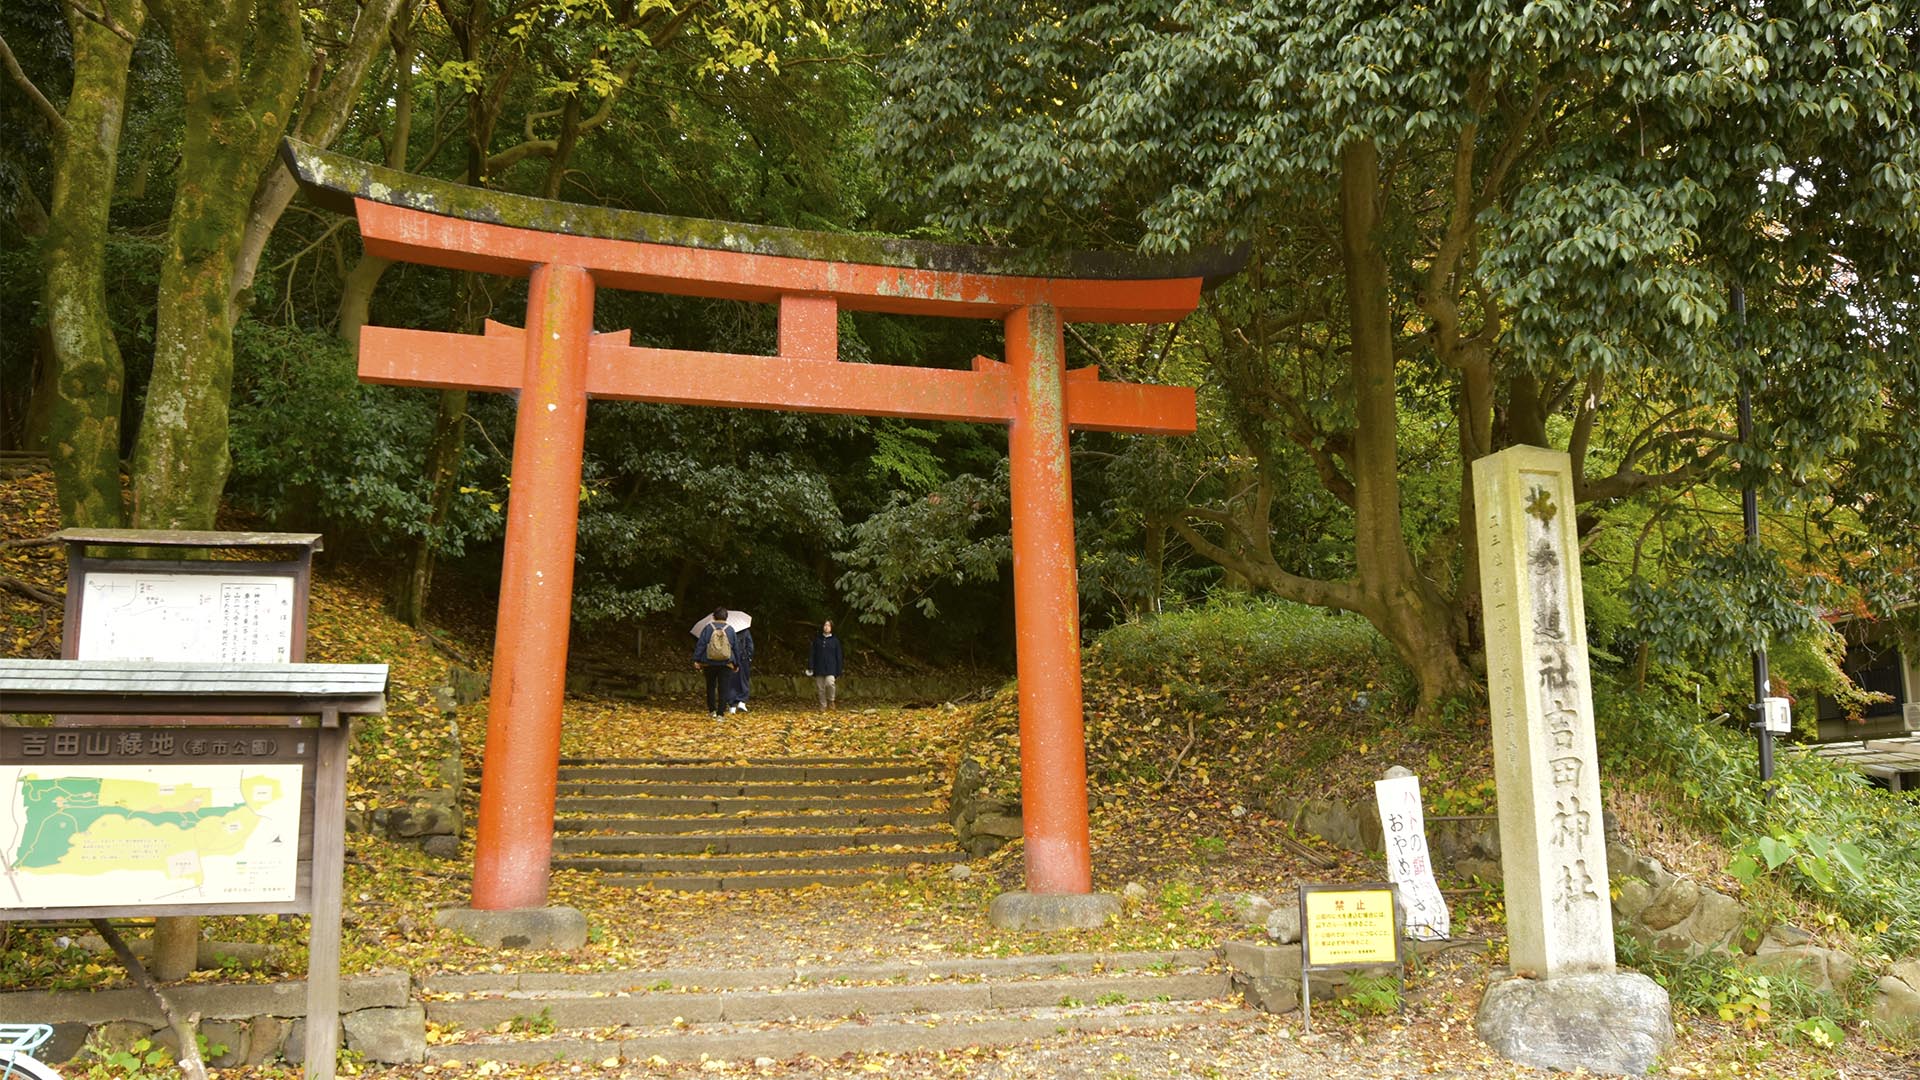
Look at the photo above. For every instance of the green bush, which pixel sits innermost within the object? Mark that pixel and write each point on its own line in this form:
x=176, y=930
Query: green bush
x=313, y=445
x=1781, y=1004
x=1218, y=642
x=1825, y=832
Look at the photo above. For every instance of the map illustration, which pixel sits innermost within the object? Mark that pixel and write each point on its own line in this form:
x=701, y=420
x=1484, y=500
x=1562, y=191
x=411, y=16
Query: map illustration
x=237, y=618
x=72, y=836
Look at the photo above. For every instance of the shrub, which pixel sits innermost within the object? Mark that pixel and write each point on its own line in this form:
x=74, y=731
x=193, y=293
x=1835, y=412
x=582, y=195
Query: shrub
x=1824, y=831
x=1220, y=641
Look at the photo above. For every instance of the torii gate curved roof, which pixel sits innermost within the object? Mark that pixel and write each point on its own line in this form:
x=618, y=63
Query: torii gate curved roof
x=732, y=260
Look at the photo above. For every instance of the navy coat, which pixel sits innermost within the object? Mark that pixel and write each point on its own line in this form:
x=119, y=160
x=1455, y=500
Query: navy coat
x=827, y=658
x=741, y=681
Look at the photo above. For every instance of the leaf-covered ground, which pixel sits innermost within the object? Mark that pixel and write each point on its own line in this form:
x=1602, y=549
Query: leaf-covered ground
x=1180, y=761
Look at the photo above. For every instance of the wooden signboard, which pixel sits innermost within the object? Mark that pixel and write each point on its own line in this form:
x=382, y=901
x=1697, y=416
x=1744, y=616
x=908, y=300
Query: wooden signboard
x=160, y=807
x=188, y=610
x=197, y=820
x=1344, y=927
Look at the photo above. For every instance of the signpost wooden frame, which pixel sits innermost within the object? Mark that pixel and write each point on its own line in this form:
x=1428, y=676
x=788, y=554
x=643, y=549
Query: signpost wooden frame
x=197, y=696
x=296, y=564
x=136, y=695
x=1396, y=925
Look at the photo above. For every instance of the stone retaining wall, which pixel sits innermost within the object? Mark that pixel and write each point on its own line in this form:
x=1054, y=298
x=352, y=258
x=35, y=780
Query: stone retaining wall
x=1463, y=845
x=854, y=690
x=256, y=1022
x=1670, y=912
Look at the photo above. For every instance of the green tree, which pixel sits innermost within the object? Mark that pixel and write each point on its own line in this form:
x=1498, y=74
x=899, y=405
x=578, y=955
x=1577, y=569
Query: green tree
x=1520, y=222
x=83, y=429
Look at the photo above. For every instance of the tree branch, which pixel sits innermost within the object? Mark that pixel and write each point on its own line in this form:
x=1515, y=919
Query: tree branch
x=29, y=590
x=1627, y=480
x=104, y=18
x=184, y=1027
x=52, y=115
x=1344, y=595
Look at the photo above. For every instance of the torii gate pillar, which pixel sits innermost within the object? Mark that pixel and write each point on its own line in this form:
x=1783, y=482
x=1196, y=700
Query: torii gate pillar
x=1046, y=604
x=558, y=362
x=513, y=838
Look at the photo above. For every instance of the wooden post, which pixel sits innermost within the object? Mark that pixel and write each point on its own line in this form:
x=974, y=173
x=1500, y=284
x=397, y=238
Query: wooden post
x=323, y=928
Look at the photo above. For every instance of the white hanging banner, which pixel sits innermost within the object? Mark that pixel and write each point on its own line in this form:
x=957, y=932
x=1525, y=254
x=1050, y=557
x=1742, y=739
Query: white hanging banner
x=1404, y=826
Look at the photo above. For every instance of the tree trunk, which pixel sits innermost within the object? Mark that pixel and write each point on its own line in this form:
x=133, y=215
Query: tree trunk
x=356, y=296
x=321, y=121
x=1156, y=556
x=176, y=947
x=1405, y=606
x=356, y=293
x=83, y=419
x=1526, y=413
x=443, y=472
x=241, y=64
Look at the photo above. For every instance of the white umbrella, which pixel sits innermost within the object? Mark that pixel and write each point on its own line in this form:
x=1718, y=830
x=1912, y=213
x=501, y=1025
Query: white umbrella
x=739, y=620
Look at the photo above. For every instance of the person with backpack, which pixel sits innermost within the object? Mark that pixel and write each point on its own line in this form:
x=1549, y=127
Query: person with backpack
x=825, y=665
x=713, y=654
x=740, y=684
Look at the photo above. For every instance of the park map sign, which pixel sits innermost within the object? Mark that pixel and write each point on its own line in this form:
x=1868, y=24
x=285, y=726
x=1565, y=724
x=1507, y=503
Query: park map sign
x=150, y=817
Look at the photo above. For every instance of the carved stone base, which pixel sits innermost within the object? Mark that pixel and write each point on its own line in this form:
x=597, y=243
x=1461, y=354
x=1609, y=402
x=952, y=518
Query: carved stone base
x=1042, y=912
x=1616, y=1023
x=529, y=929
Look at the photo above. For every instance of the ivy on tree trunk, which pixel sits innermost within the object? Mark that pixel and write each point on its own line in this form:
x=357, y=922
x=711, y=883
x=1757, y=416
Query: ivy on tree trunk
x=241, y=66
x=83, y=420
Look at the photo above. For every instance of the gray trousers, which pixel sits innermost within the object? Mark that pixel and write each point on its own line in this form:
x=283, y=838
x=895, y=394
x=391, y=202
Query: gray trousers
x=824, y=686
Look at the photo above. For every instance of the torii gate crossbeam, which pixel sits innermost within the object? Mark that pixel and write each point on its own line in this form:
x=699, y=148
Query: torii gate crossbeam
x=557, y=363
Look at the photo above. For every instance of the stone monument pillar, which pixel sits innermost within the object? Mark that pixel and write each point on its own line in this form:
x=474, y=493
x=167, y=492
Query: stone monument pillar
x=1565, y=1005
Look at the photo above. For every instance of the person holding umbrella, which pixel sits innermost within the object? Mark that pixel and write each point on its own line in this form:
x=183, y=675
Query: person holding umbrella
x=714, y=649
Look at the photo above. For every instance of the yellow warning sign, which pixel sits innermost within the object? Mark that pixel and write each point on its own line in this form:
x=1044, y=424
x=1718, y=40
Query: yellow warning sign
x=1349, y=927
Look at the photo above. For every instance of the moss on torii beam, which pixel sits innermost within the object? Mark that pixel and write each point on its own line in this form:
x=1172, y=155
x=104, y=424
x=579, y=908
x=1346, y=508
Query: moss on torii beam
x=334, y=181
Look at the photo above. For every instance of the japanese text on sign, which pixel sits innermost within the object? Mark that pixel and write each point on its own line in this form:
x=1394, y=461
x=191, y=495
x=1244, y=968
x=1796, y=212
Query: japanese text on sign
x=1409, y=863
x=1349, y=927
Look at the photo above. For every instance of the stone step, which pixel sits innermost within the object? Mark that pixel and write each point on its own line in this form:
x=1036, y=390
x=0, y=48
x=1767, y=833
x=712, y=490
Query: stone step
x=711, y=823
x=648, y=1008
x=744, y=843
x=670, y=807
x=721, y=864
x=671, y=789
x=730, y=762
x=743, y=773
x=747, y=882
x=891, y=972
x=735, y=1043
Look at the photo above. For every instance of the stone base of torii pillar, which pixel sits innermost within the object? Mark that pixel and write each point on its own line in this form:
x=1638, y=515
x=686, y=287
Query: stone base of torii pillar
x=1565, y=1005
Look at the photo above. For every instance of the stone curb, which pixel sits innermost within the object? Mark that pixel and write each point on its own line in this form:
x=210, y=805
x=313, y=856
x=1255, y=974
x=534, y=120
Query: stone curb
x=820, y=1004
x=698, y=979
x=213, y=1001
x=783, y=1045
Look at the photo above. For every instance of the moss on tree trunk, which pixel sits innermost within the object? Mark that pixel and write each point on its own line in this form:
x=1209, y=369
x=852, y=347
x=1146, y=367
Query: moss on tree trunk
x=83, y=418
x=241, y=65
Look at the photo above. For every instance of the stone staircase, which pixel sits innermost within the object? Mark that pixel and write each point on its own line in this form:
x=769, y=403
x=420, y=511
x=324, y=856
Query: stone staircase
x=824, y=1011
x=699, y=825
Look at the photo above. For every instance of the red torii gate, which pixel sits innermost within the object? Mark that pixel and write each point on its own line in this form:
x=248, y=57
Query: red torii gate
x=557, y=363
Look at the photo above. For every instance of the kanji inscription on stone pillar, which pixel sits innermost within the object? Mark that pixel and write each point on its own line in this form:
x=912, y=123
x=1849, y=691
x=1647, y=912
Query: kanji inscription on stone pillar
x=1553, y=853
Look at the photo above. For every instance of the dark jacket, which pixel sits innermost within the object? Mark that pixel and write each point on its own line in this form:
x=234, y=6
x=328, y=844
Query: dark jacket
x=740, y=682
x=706, y=635
x=827, y=659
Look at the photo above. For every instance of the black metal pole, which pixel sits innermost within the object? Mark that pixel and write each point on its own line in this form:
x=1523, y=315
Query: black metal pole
x=1750, y=510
